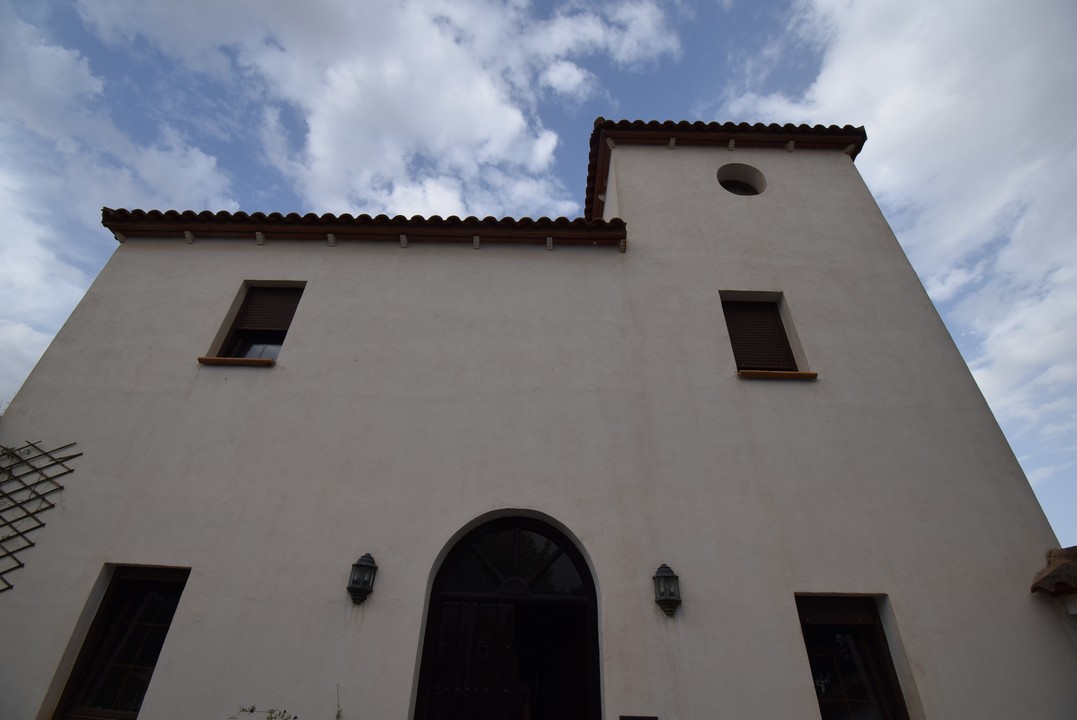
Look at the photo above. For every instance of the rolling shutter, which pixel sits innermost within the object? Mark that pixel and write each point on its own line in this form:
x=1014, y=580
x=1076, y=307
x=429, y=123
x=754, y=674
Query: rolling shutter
x=268, y=308
x=758, y=336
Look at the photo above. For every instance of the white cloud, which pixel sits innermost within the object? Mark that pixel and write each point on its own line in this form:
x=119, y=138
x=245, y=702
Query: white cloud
x=945, y=286
x=639, y=33
x=61, y=159
x=399, y=98
x=35, y=279
x=38, y=288
x=20, y=348
x=40, y=84
x=567, y=78
x=969, y=109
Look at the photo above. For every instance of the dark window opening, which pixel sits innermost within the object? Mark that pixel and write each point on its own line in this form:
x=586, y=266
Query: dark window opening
x=850, y=661
x=118, y=658
x=741, y=179
x=262, y=323
x=738, y=187
x=758, y=336
x=512, y=630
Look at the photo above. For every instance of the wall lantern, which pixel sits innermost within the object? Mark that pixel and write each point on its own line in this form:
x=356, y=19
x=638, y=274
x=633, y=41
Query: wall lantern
x=667, y=589
x=361, y=581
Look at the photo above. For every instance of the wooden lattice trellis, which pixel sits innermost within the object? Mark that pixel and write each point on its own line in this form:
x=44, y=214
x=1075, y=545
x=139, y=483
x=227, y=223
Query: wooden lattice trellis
x=28, y=477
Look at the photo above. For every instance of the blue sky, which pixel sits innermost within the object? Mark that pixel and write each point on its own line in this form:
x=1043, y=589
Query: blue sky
x=477, y=107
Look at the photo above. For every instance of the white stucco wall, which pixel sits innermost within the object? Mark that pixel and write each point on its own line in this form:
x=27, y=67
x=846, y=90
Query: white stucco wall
x=420, y=389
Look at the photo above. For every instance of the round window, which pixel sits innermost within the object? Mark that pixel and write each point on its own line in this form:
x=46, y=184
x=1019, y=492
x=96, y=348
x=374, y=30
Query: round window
x=741, y=179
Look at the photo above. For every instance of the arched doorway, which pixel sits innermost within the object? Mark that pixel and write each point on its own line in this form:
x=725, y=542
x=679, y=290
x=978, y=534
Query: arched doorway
x=512, y=631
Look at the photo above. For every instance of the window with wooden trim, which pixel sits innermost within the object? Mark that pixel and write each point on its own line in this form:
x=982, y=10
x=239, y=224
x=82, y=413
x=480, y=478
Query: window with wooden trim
x=758, y=336
x=262, y=323
x=257, y=331
x=118, y=658
x=850, y=660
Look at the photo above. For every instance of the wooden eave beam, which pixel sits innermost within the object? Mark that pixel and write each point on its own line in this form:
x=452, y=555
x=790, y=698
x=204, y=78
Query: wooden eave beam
x=837, y=141
x=604, y=235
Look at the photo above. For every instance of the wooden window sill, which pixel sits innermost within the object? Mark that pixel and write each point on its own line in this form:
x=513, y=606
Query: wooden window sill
x=237, y=362
x=776, y=375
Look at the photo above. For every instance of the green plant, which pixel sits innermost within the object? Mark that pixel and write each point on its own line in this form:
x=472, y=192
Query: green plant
x=271, y=713
x=275, y=714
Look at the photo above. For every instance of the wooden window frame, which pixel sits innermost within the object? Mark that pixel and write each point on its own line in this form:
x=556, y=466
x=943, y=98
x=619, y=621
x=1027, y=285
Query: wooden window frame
x=263, y=317
x=124, y=586
x=857, y=614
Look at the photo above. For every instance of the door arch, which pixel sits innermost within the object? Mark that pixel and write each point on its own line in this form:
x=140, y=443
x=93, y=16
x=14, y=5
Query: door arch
x=512, y=631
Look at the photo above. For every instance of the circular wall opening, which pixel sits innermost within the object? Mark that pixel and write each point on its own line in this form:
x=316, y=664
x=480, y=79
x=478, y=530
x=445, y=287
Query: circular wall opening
x=741, y=179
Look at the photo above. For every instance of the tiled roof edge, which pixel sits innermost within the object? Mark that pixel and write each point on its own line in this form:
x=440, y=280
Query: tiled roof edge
x=110, y=216
x=174, y=223
x=602, y=123
x=1059, y=576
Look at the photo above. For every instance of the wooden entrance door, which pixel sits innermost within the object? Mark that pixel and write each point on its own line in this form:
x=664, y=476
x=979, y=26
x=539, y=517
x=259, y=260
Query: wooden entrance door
x=511, y=633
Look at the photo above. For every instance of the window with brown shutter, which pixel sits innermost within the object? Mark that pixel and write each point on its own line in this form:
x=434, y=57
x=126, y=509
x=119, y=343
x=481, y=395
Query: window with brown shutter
x=758, y=336
x=262, y=323
x=260, y=326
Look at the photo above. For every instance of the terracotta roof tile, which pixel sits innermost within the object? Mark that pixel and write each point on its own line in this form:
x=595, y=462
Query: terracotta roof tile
x=1059, y=576
x=346, y=227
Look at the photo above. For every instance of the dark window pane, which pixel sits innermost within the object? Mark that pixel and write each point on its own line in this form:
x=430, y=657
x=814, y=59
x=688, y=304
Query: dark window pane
x=166, y=607
x=130, y=697
x=128, y=642
x=559, y=578
x=499, y=550
x=834, y=711
x=133, y=607
x=114, y=668
x=865, y=711
x=850, y=663
x=851, y=667
x=826, y=681
x=106, y=688
x=532, y=553
x=471, y=575
x=154, y=604
x=151, y=646
x=514, y=562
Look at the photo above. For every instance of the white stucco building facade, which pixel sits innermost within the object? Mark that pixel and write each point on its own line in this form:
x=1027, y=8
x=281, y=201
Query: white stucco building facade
x=567, y=380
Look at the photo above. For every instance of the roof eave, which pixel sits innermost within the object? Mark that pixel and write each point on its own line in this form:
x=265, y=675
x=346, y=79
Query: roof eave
x=155, y=224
